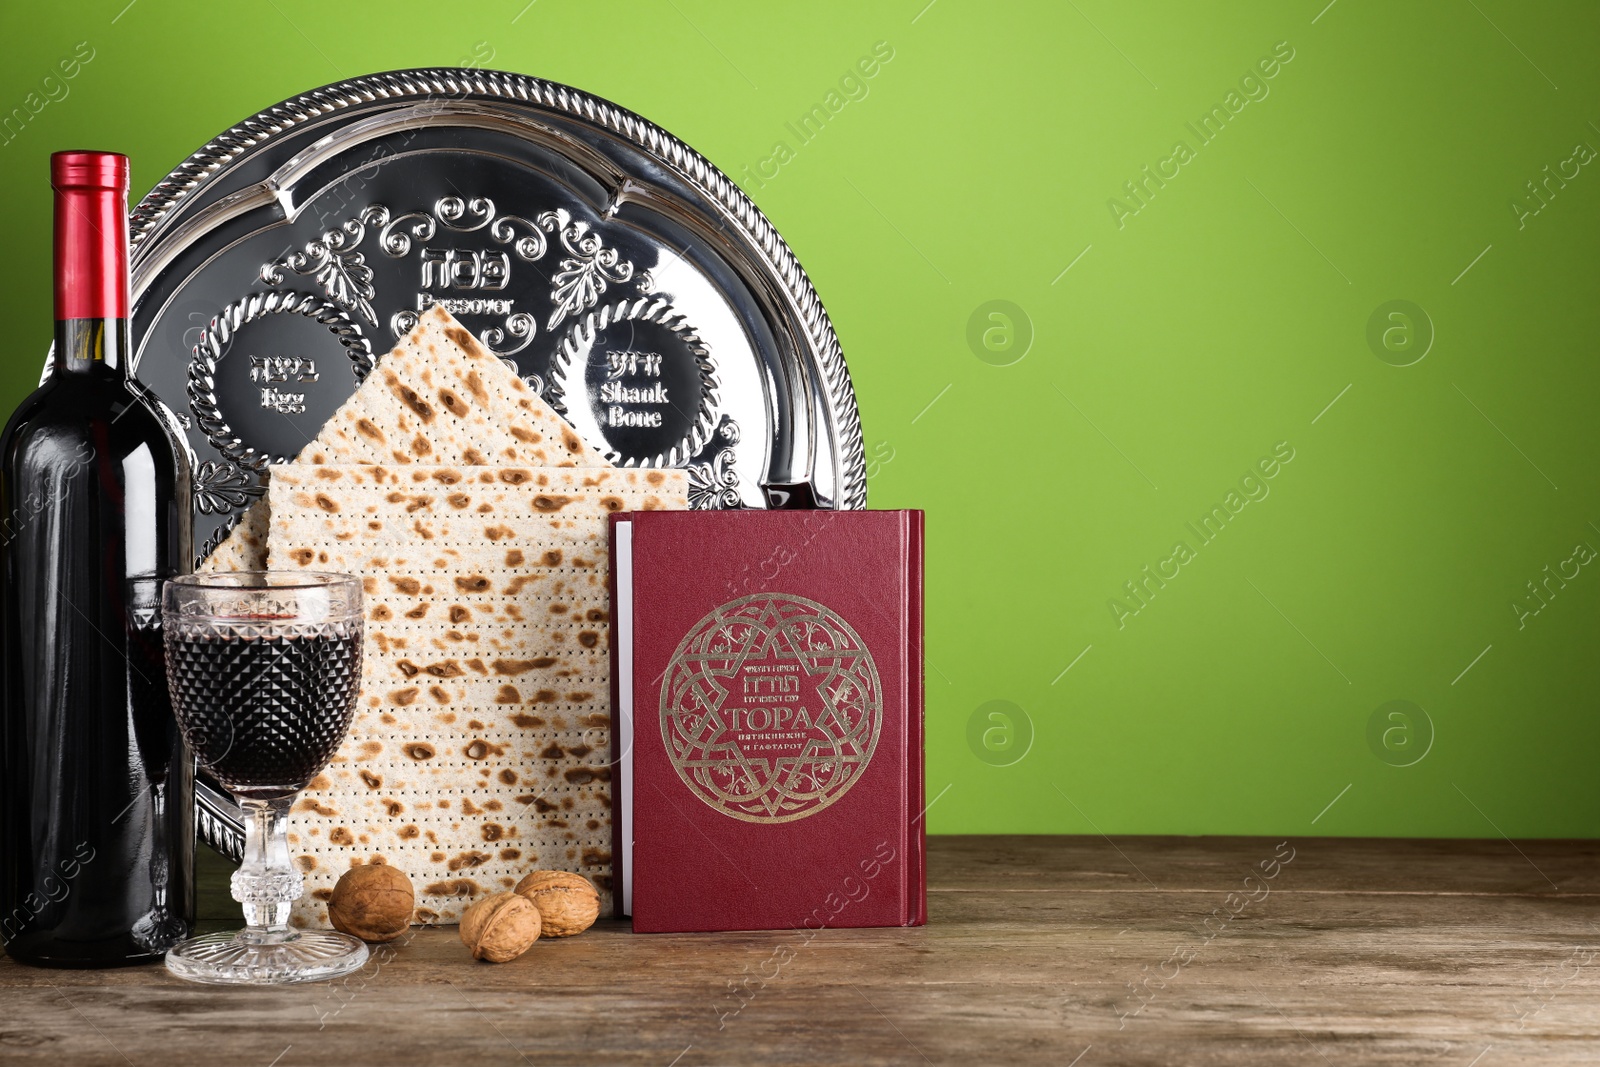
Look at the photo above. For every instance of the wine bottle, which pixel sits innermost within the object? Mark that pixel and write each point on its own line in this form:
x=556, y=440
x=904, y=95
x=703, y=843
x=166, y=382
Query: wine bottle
x=96, y=787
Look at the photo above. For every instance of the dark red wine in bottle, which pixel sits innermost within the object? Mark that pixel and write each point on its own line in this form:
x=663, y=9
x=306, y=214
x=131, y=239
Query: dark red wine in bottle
x=96, y=786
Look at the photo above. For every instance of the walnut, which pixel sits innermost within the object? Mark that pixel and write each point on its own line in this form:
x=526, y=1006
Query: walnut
x=567, y=903
x=500, y=927
x=372, y=902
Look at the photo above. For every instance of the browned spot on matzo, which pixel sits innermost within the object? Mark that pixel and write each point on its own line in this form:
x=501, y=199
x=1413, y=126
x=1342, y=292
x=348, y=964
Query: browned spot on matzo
x=453, y=403
x=414, y=401
x=521, y=666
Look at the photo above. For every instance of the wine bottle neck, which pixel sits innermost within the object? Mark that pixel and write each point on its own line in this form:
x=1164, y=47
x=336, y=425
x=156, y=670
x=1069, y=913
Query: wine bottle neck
x=91, y=346
x=91, y=260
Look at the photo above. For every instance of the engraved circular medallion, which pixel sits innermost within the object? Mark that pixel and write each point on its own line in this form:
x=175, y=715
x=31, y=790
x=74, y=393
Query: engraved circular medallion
x=771, y=708
x=262, y=350
x=635, y=379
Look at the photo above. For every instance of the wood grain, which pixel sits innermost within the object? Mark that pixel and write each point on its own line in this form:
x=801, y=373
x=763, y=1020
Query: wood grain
x=1051, y=950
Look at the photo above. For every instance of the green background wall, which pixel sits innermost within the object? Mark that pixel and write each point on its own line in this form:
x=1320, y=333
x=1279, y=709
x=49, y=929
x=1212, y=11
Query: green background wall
x=1150, y=351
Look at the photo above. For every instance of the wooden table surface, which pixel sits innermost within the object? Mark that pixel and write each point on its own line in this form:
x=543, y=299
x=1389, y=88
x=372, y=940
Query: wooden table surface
x=1080, y=951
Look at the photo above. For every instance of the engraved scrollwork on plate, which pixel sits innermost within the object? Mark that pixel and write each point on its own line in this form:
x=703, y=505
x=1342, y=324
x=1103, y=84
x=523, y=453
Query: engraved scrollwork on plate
x=332, y=261
x=462, y=215
x=528, y=246
x=713, y=483
x=587, y=269
x=346, y=278
x=218, y=335
x=220, y=487
x=520, y=325
x=397, y=233
x=403, y=322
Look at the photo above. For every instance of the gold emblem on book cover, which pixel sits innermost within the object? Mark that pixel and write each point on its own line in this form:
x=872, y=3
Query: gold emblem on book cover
x=771, y=708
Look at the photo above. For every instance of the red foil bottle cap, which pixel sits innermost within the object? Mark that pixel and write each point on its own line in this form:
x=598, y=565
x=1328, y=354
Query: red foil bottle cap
x=91, y=234
x=89, y=170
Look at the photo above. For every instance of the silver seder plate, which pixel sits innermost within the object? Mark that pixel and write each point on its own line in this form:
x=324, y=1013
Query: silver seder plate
x=623, y=276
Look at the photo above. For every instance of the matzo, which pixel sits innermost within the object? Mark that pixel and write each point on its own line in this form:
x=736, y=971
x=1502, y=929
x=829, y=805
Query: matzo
x=481, y=745
x=439, y=397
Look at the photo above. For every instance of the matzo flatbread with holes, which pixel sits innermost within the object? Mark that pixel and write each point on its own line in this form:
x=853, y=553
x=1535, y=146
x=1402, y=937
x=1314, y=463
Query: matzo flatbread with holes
x=439, y=397
x=481, y=745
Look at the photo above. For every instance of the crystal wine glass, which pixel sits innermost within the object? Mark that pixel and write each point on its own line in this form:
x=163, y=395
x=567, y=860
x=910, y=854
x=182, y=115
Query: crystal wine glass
x=264, y=669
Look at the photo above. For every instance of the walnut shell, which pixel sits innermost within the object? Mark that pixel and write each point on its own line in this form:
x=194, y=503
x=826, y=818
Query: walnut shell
x=500, y=927
x=568, y=903
x=372, y=902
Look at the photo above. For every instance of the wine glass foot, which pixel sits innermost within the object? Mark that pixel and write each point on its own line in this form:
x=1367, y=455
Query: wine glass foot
x=159, y=931
x=236, y=958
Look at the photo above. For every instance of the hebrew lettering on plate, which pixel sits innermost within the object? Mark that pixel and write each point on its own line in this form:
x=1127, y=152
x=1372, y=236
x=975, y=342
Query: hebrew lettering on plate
x=477, y=274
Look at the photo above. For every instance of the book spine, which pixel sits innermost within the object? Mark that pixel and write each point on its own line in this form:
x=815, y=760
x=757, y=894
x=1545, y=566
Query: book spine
x=916, y=889
x=618, y=742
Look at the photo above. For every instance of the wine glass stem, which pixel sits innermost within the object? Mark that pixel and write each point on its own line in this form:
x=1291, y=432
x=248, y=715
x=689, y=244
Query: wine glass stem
x=266, y=883
x=159, y=867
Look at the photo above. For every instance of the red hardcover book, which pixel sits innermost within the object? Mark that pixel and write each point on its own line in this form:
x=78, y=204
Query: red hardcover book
x=767, y=669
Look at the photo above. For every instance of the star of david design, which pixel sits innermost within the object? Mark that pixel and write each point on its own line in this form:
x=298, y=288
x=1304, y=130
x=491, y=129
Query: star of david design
x=771, y=708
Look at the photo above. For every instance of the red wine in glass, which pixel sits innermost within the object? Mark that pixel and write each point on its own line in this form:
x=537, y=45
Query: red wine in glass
x=299, y=689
